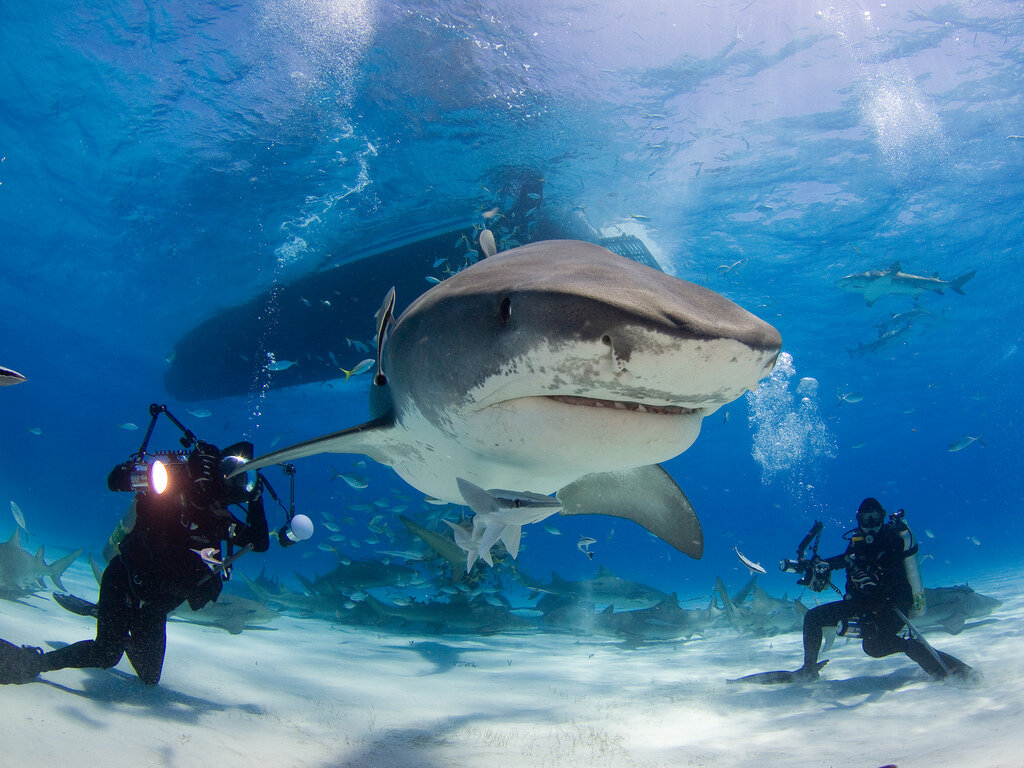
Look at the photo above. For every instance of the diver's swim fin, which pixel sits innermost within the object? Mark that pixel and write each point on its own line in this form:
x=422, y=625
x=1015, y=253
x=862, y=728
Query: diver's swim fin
x=782, y=676
x=19, y=664
x=76, y=605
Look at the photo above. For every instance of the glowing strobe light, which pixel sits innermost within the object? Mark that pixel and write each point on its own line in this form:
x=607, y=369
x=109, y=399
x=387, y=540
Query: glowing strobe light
x=136, y=476
x=158, y=477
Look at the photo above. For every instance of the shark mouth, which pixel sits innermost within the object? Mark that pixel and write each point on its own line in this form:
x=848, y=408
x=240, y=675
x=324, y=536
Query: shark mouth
x=622, y=405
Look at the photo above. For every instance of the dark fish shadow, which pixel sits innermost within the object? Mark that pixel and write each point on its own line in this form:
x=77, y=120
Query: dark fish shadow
x=871, y=687
x=429, y=746
x=443, y=657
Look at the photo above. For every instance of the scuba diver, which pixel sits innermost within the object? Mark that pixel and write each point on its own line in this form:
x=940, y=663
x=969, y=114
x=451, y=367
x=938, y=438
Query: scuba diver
x=879, y=598
x=168, y=550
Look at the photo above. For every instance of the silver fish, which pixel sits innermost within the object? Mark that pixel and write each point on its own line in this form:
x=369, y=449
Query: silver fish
x=750, y=564
x=9, y=377
x=19, y=516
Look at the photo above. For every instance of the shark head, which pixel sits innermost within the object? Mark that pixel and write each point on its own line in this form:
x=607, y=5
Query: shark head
x=563, y=352
x=557, y=367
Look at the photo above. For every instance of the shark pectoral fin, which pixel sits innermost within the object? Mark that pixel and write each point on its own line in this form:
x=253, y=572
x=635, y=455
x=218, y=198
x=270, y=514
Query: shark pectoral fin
x=955, y=623
x=646, y=495
x=510, y=538
x=368, y=439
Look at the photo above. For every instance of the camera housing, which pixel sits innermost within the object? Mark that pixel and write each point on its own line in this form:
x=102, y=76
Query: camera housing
x=203, y=471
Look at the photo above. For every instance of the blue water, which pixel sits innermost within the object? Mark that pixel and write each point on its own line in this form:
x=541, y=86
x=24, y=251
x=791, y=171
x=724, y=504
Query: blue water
x=160, y=162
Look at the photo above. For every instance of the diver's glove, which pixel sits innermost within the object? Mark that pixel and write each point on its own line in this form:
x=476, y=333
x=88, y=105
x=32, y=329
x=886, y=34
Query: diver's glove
x=864, y=580
x=820, y=574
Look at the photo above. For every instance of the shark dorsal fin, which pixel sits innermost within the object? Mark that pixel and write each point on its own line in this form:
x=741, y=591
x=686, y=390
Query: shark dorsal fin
x=384, y=316
x=894, y=268
x=487, y=245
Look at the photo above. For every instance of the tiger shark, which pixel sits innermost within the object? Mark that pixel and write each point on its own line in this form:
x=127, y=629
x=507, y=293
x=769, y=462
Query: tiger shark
x=557, y=368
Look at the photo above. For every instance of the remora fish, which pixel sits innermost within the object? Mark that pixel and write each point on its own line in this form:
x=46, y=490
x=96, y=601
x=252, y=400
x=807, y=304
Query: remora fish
x=876, y=283
x=500, y=516
x=750, y=564
x=557, y=367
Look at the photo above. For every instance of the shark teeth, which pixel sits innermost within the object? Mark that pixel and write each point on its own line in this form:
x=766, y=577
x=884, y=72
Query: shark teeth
x=623, y=405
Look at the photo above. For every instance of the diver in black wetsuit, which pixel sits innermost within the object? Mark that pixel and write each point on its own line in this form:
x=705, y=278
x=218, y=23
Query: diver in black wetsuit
x=877, y=586
x=164, y=560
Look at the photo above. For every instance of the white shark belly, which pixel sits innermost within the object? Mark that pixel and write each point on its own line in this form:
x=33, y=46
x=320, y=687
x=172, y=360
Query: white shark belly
x=535, y=444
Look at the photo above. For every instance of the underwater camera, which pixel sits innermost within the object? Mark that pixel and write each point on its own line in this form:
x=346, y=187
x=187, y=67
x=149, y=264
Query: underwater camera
x=203, y=471
x=200, y=468
x=813, y=571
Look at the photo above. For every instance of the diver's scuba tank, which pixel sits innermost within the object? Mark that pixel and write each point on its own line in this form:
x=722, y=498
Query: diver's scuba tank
x=124, y=527
x=849, y=628
x=910, y=563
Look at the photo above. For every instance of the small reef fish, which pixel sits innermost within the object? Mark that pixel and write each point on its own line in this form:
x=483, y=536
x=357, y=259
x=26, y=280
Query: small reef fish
x=848, y=397
x=128, y=426
x=962, y=442
x=750, y=564
x=9, y=377
x=354, y=480
x=281, y=365
x=199, y=413
x=362, y=367
x=34, y=430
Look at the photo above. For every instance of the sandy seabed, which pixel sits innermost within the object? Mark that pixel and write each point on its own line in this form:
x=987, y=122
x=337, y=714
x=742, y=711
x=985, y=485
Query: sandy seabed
x=303, y=693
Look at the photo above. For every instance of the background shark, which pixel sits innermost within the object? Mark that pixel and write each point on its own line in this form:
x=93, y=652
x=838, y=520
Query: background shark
x=876, y=283
x=22, y=574
x=557, y=367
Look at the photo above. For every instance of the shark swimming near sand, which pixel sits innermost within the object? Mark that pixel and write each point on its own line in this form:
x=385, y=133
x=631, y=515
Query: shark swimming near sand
x=556, y=368
x=22, y=574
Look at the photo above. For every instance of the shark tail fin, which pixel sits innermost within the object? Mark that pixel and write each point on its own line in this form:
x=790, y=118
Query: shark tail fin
x=958, y=284
x=55, y=570
x=647, y=496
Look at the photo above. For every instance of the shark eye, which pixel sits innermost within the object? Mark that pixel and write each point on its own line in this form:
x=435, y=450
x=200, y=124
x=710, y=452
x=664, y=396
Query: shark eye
x=505, y=311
